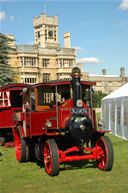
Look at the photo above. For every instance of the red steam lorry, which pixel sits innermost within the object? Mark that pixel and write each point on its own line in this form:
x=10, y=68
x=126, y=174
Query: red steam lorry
x=10, y=102
x=58, y=124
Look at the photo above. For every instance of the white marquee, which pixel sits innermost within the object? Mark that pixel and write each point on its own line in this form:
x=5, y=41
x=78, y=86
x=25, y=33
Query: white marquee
x=115, y=112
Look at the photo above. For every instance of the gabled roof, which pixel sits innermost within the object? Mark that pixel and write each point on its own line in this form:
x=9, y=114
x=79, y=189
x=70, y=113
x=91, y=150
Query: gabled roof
x=120, y=92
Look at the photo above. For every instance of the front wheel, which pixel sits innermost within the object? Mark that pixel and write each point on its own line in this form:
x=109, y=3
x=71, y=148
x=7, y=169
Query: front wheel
x=105, y=153
x=51, y=157
x=21, y=148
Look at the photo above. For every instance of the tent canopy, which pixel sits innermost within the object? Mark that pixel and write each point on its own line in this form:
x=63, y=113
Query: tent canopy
x=121, y=92
x=115, y=112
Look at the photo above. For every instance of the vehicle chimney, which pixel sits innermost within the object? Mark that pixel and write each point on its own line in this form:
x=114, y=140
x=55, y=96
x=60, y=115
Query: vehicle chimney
x=76, y=84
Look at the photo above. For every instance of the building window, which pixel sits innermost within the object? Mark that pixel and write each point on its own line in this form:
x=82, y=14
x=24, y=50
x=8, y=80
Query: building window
x=38, y=34
x=70, y=63
x=63, y=76
x=45, y=63
x=65, y=63
x=60, y=62
x=115, y=83
x=28, y=61
x=55, y=35
x=21, y=61
x=46, y=35
x=98, y=83
x=46, y=77
x=110, y=84
x=28, y=78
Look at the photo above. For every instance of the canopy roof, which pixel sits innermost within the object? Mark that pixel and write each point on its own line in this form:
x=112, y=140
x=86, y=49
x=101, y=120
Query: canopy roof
x=61, y=82
x=16, y=86
x=121, y=92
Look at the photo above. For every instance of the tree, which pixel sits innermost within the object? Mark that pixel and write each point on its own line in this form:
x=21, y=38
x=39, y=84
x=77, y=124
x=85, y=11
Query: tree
x=6, y=75
x=97, y=97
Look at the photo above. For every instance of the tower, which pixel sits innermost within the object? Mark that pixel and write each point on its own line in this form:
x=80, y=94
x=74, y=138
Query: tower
x=67, y=40
x=46, y=31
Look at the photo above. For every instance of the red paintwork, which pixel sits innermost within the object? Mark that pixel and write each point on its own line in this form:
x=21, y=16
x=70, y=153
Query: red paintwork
x=18, y=145
x=103, y=156
x=33, y=125
x=6, y=112
x=6, y=117
x=61, y=82
x=86, y=153
x=37, y=120
x=48, y=157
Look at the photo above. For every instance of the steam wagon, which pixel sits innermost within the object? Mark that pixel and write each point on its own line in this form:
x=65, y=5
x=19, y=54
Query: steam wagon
x=10, y=102
x=58, y=124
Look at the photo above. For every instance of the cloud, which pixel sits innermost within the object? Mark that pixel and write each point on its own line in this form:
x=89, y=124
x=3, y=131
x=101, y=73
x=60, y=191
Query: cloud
x=2, y=15
x=78, y=48
x=89, y=60
x=124, y=5
x=12, y=18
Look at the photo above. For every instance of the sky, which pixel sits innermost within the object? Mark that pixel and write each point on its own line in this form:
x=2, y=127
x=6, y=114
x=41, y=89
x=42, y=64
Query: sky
x=99, y=28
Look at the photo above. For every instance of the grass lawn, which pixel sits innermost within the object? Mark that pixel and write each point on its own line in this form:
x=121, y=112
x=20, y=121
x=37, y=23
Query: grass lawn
x=80, y=177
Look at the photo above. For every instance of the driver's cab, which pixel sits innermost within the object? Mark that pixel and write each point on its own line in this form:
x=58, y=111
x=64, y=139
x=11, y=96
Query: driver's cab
x=48, y=96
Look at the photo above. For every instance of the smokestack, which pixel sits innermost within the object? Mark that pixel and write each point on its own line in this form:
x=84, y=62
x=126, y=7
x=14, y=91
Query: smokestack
x=67, y=40
x=122, y=72
x=76, y=84
x=104, y=71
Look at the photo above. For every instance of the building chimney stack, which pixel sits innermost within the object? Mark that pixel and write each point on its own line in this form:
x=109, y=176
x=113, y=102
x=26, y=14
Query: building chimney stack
x=67, y=40
x=104, y=71
x=122, y=72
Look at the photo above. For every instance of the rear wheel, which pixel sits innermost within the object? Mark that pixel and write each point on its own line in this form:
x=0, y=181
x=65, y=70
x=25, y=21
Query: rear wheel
x=37, y=151
x=106, y=154
x=51, y=157
x=21, y=148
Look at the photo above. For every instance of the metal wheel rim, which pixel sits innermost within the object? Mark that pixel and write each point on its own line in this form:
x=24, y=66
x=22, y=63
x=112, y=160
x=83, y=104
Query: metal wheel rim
x=18, y=145
x=47, y=158
x=102, y=153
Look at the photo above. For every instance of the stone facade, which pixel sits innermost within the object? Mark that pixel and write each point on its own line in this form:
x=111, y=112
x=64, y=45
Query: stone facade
x=107, y=83
x=46, y=60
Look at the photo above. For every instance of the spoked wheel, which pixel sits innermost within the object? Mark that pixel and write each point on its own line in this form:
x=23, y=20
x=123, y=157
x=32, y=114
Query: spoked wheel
x=20, y=146
x=106, y=154
x=2, y=141
x=51, y=157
